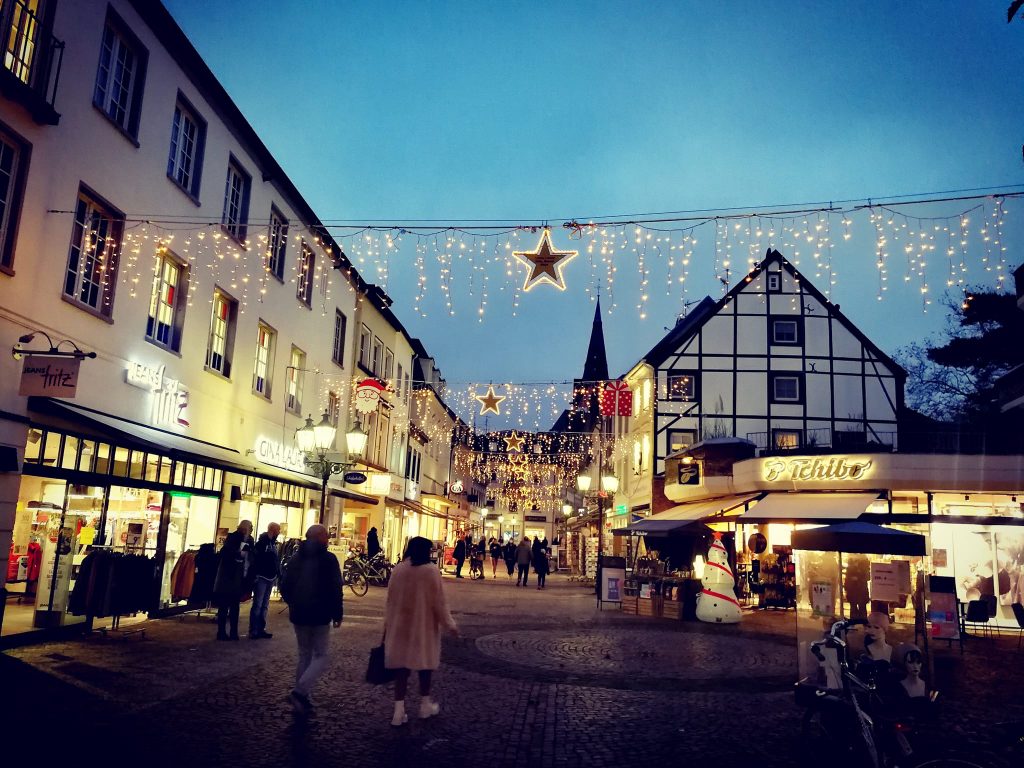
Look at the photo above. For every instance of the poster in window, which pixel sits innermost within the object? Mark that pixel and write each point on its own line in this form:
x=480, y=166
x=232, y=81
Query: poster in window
x=1010, y=565
x=974, y=565
x=885, y=582
x=822, y=603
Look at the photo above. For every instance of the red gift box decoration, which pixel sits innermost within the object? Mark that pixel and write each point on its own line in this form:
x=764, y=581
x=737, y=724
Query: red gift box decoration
x=616, y=399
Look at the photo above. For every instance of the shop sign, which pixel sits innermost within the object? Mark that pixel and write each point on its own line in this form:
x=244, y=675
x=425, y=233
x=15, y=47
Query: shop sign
x=56, y=377
x=170, y=397
x=535, y=518
x=457, y=487
x=378, y=483
x=278, y=454
x=412, y=490
x=355, y=478
x=817, y=468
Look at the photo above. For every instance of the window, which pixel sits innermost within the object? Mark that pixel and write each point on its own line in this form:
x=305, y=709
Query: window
x=14, y=155
x=92, y=258
x=785, y=331
x=365, y=342
x=236, y=201
x=222, y=333
x=21, y=22
x=296, y=379
x=277, y=243
x=340, y=326
x=774, y=282
x=785, y=388
x=304, y=288
x=398, y=383
x=120, y=76
x=682, y=387
x=680, y=439
x=646, y=402
x=408, y=387
x=786, y=439
x=334, y=408
x=637, y=457
x=264, y=366
x=389, y=364
x=188, y=140
x=167, y=304
x=646, y=453
x=375, y=359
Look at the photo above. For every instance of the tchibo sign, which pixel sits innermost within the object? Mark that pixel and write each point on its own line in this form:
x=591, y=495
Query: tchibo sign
x=823, y=468
x=170, y=397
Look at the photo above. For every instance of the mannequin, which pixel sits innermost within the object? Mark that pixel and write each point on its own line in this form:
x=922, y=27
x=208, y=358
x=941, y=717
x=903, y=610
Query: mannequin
x=913, y=662
x=875, y=645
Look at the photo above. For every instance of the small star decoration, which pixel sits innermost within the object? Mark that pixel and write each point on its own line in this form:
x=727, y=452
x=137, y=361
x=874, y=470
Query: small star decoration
x=546, y=263
x=514, y=442
x=490, y=402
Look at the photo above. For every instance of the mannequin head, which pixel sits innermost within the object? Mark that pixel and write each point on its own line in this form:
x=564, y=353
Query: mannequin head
x=878, y=625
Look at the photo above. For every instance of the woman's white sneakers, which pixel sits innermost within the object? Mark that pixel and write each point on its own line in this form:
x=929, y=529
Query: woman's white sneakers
x=400, y=718
x=428, y=708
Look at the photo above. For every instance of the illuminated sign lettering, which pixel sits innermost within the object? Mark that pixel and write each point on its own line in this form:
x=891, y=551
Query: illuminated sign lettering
x=170, y=397
x=817, y=469
x=279, y=455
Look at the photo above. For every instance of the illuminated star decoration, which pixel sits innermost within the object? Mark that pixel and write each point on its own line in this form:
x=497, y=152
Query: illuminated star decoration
x=514, y=442
x=490, y=402
x=546, y=263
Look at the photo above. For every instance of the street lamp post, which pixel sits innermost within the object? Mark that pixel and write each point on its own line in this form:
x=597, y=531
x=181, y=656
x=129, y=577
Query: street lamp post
x=609, y=486
x=316, y=441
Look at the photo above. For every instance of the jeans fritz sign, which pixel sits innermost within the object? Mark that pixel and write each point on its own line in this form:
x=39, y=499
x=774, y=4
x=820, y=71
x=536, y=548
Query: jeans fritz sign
x=170, y=397
x=817, y=468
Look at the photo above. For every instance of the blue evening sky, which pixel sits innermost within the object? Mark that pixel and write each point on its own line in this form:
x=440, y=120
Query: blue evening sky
x=554, y=110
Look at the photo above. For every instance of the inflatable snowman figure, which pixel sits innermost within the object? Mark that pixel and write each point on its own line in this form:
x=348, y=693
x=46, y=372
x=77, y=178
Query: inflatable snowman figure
x=717, y=603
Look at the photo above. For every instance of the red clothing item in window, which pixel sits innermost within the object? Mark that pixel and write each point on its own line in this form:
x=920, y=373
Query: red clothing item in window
x=35, y=560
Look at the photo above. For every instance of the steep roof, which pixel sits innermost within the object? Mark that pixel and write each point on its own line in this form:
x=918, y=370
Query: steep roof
x=596, y=366
x=694, y=321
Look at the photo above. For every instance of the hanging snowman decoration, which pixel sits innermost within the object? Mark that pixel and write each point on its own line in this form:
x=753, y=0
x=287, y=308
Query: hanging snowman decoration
x=368, y=395
x=717, y=603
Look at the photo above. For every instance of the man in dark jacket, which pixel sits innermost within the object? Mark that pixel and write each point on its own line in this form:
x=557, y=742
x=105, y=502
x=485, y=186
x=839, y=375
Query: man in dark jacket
x=312, y=588
x=265, y=572
x=233, y=578
x=372, y=543
x=459, y=553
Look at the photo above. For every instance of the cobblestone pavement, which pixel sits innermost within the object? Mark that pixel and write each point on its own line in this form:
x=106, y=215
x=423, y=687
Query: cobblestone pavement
x=538, y=678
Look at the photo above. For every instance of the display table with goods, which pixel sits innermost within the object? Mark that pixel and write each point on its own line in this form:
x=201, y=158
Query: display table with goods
x=774, y=581
x=650, y=591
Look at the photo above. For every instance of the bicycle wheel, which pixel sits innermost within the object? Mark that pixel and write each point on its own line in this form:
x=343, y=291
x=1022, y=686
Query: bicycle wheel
x=357, y=583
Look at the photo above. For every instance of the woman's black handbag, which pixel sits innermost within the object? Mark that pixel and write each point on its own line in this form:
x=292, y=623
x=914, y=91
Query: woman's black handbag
x=376, y=672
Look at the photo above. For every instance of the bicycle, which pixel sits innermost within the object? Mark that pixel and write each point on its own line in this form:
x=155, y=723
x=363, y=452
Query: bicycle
x=838, y=714
x=360, y=572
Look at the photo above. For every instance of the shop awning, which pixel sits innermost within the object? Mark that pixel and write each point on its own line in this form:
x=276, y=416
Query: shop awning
x=862, y=538
x=681, y=515
x=167, y=443
x=808, y=507
x=438, y=498
x=360, y=498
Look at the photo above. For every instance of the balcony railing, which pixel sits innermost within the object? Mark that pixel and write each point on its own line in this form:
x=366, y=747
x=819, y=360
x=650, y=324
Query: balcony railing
x=827, y=441
x=32, y=60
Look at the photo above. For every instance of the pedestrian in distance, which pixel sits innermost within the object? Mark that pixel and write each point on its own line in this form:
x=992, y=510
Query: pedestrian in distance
x=523, y=557
x=496, y=556
x=541, y=566
x=459, y=553
x=510, y=557
x=479, y=551
x=414, y=615
x=266, y=569
x=233, y=579
x=537, y=546
x=312, y=588
x=372, y=543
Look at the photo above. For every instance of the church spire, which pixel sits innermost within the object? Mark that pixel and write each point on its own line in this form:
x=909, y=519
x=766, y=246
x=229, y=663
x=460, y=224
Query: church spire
x=596, y=366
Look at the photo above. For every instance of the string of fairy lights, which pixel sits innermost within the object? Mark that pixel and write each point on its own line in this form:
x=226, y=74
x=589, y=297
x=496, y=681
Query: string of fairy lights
x=922, y=246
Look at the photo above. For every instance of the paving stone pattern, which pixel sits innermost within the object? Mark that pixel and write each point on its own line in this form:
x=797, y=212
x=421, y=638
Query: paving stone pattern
x=537, y=679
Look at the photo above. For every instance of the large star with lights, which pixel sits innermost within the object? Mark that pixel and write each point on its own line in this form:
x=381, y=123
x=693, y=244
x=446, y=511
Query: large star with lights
x=546, y=263
x=490, y=402
x=514, y=442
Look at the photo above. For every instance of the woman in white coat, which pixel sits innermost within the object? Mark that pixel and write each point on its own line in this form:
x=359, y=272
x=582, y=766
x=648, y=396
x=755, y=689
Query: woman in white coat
x=414, y=615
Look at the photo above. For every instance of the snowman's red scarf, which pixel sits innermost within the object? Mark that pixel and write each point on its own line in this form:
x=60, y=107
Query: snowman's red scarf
x=720, y=596
x=720, y=567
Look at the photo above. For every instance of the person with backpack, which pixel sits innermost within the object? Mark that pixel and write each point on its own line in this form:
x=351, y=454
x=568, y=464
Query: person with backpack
x=311, y=587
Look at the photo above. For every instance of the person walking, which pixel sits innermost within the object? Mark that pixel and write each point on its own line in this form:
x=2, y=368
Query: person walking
x=459, y=553
x=414, y=615
x=480, y=549
x=536, y=547
x=523, y=557
x=265, y=569
x=232, y=579
x=541, y=566
x=510, y=557
x=495, y=556
x=372, y=543
x=312, y=589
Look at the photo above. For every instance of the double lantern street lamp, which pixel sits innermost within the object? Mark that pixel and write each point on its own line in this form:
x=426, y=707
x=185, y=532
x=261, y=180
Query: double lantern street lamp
x=316, y=441
x=609, y=487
